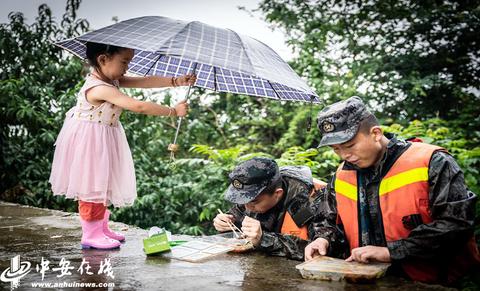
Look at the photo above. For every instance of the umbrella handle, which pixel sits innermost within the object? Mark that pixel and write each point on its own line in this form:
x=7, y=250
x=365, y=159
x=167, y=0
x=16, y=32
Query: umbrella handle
x=172, y=153
x=181, y=118
x=178, y=130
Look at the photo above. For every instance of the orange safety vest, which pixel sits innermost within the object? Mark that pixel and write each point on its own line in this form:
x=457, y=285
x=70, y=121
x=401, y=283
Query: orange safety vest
x=403, y=191
x=289, y=226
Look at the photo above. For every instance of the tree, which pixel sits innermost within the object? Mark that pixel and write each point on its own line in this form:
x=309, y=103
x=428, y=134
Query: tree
x=411, y=59
x=35, y=80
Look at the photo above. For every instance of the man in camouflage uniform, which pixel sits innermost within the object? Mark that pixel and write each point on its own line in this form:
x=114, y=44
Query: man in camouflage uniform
x=264, y=195
x=399, y=202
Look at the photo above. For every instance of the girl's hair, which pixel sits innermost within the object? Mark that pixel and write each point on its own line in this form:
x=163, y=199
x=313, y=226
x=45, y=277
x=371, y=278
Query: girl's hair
x=95, y=49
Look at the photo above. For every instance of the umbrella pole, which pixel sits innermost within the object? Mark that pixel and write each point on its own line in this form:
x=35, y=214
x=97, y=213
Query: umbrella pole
x=309, y=120
x=173, y=147
x=181, y=118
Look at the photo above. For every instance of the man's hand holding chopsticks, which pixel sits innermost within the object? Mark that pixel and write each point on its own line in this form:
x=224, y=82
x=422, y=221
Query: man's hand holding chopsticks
x=252, y=230
x=221, y=222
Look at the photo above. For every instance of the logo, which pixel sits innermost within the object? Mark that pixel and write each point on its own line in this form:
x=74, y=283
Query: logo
x=19, y=269
x=328, y=126
x=237, y=184
x=16, y=272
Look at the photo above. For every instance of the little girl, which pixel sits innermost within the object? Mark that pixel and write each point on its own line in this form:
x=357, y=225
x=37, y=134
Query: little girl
x=92, y=161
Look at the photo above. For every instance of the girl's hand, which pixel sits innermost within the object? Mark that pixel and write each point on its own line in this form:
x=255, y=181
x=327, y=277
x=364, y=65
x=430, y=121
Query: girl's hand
x=181, y=108
x=186, y=80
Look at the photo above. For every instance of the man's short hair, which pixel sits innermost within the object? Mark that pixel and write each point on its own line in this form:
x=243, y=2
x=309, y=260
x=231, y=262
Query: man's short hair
x=272, y=187
x=367, y=123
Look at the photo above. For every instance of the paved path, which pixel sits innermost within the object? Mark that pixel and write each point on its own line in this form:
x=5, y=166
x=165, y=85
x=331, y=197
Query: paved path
x=35, y=233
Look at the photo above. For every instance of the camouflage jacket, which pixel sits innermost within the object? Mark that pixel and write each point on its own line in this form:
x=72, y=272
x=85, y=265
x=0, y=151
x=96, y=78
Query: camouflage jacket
x=297, y=184
x=452, y=207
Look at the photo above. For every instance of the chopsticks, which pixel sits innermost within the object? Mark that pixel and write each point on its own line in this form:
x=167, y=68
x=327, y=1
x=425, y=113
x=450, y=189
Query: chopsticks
x=234, y=228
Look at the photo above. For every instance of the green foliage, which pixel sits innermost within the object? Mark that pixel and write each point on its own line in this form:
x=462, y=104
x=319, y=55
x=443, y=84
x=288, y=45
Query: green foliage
x=35, y=89
x=415, y=59
x=323, y=162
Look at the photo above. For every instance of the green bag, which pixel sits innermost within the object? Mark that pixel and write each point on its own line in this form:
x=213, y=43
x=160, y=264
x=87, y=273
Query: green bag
x=156, y=244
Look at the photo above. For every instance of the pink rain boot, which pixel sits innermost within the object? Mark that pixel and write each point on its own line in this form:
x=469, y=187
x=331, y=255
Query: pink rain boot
x=108, y=232
x=93, y=237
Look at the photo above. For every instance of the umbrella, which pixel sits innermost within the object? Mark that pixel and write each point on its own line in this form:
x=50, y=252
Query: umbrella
x=222, y=59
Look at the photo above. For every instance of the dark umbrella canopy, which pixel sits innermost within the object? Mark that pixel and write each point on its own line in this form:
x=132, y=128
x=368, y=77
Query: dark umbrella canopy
x=222, y=59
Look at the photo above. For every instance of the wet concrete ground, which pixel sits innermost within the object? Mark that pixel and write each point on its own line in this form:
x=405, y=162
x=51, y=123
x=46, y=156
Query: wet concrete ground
x=35, y=233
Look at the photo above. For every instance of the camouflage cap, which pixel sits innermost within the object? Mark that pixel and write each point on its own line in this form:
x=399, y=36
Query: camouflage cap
x=339, y=122
x=250, y=178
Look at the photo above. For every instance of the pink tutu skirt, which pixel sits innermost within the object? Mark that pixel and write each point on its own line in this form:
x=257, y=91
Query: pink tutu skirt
x=93, y=163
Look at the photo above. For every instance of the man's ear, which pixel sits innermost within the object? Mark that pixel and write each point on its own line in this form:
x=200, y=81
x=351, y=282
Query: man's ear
x=376, y=132
x=278, y=193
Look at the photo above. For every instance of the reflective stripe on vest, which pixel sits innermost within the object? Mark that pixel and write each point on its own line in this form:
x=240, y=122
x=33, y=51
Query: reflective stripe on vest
x=346, y=195
x=387, y=185
x=289, y=227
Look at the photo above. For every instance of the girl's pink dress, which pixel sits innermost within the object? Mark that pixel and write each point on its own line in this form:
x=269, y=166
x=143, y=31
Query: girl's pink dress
x=92, y=160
